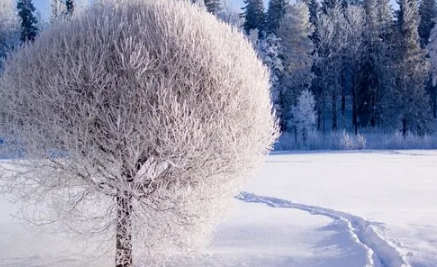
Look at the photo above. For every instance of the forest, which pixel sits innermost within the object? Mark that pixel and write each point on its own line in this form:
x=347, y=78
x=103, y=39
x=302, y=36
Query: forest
x=337, y=66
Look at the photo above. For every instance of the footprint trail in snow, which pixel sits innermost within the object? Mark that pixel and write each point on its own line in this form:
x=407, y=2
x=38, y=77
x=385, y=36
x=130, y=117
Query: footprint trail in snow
x=380, y=251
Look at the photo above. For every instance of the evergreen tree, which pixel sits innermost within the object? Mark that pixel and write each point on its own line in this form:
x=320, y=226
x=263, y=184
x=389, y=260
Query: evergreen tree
x=329, y=4
x=366, y=96
x=353, y=58
x=428, y=13
x=28, y=20
x=69, y=8
x=412, y=69
x=333, y=40
x=295, y=31
x=9, y=28
x=270, y=51
x=275, y=13
x=314, y=8
x=432, y=52
x=254, y=16
x=373, y=100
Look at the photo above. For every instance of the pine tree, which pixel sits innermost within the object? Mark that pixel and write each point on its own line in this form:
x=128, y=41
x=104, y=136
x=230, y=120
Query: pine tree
x=372, y=105
x=295, y=31
x=275, y=14
x=28, y=20
x=432, y=52
x=9, y=28
x=366, y=96
x=314, y=8
x=254, y=16
x=428, y=13
x=69, y=8
x=412, y=69
x=330, y=4
x=353, y=57
x=333, y=40
x=270, y=51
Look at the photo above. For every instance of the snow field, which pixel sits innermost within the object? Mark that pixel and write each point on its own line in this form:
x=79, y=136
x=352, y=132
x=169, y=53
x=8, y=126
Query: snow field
x=320, y=209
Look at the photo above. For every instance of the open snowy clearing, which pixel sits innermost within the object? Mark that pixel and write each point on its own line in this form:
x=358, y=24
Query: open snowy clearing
x=324, y=209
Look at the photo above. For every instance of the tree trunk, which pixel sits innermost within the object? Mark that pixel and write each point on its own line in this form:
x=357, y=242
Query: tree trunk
x=404, y=126
x=319, y=119
x=123, y=252
x=354, y=113
x=434, y=101
x=343, y=105
x=334, y=113
x=372, y=106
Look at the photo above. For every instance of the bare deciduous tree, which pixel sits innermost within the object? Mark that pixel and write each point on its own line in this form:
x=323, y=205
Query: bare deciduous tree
x=140, y=117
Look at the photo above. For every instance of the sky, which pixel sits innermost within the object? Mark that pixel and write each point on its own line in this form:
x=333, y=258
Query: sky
x=43, y=6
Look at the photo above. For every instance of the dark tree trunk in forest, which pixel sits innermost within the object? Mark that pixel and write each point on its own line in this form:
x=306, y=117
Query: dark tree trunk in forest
x=373, y=114
x=334, y=113
x=354, y=113
x=343, y=105
x=404, y=126
x=319, y=119
x=123, y=254
x=434, y=101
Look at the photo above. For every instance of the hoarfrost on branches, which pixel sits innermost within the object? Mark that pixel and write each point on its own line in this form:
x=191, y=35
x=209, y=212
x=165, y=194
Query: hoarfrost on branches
x=119, y=131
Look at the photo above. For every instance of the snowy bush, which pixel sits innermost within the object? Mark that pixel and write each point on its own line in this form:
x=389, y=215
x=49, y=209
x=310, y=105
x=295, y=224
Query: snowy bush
x=347, y=141
x=350, y=141
x=319, y=141
x=161, y=111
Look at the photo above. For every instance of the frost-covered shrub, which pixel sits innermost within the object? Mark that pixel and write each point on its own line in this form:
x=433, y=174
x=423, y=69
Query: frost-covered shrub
x=319, y=141
x=160, y=111
x=351, y=142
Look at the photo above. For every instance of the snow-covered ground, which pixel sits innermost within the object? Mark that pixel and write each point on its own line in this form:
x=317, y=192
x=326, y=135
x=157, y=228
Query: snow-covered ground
x=324, y=209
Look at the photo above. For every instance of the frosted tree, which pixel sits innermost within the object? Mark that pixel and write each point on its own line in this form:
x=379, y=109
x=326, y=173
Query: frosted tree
x=229, y=14
x=304, y=115
x=427, y=13
x=369, y=89
x=354, y=55
x=26, y=12
x=270, y=50
x=332, y=42
x=69, y=8
x=254, y=17
x=121, y=133
x=58, y=10
x=275, y=13
x=386, y=62
x=294, y=31
x=432, y=52
x=314, y=9
x=9, y=28
x=412, y=69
